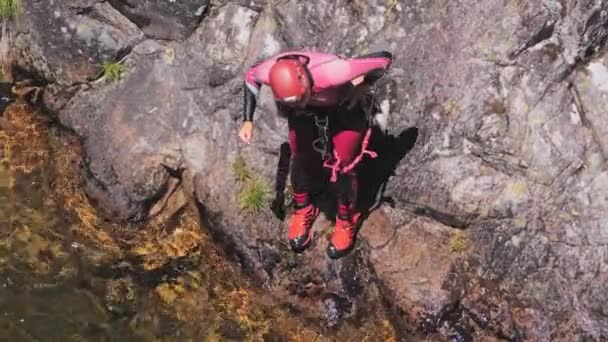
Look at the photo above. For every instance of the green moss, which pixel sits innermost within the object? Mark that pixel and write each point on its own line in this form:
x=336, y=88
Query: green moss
x=519, y=188
x=240, y=170
x=112, y=71
x=10, y=9
x=520, y=222
x=254, y=196
x=459, y=243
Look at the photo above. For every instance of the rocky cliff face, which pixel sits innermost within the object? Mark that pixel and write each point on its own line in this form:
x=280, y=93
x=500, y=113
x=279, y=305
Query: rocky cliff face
x=500, y=223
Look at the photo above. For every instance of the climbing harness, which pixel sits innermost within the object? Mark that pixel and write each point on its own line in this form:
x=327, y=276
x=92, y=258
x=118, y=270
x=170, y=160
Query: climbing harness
x=369, y=104
x=335, y=167
x=321, y=144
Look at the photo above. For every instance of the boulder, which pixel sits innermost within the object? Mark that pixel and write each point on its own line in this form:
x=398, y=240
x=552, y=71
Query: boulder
x=68, y=42
x=170, y=20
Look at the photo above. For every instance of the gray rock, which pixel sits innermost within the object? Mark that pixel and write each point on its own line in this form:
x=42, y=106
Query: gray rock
x=67, y=42
x=163, y=19
x=114, y=123
x=509, y=103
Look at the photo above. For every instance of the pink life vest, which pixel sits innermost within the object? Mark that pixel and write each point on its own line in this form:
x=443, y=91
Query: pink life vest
x=328, y=71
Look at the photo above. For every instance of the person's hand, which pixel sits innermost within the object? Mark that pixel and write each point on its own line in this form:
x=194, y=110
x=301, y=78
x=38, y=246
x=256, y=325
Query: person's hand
x=357, y=80
x=246, y=132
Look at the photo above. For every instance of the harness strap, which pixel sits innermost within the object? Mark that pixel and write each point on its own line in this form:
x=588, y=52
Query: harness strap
x=335, y=167
x=364, y=151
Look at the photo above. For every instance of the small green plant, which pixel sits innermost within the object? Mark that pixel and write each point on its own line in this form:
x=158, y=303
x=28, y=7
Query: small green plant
x=519, y=188
x=390, y=4
x=240, y=170
x=10, y=9
x=458, y=243
x=254, y=196
x=112, y=71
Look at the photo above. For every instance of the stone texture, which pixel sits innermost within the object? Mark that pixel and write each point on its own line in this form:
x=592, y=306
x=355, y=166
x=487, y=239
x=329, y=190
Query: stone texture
x=403, y=259
x=160, y=19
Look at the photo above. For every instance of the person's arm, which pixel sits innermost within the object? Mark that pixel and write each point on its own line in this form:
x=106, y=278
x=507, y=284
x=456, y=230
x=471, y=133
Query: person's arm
x=254, y=78
x=357, y=70
x=251, y=90
x=373, y=65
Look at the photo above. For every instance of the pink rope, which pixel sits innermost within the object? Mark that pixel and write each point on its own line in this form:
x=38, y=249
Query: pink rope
x=335, y=167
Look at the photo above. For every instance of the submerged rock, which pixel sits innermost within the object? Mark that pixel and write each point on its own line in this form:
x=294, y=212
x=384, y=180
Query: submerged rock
x=507, y=99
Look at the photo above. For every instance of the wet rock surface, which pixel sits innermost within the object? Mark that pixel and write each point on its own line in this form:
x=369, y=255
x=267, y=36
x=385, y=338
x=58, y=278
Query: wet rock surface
x=500, y=207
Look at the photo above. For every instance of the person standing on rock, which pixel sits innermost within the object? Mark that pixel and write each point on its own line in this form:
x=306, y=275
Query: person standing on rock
x=320, y=94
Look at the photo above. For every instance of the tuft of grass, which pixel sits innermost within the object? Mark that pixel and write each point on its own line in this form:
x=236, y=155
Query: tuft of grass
x=450, y=108
x=390, y=4
x=458, y=243
x=112, y=70
x=254, y=196
x=240, y=170
x=10, y=9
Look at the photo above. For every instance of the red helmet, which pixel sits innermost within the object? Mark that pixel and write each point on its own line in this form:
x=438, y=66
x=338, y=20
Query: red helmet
x=289, y=81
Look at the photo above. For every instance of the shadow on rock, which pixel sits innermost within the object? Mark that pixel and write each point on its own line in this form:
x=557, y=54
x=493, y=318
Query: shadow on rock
x=278, y=204
x=375, y=173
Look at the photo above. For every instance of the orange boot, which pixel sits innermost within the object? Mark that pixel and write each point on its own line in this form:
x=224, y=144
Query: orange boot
x=300, y=228
x=343, y=239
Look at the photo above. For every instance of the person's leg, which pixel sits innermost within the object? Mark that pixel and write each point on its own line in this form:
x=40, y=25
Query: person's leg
x=301, y=135
x=349, y=130
x=347, y=145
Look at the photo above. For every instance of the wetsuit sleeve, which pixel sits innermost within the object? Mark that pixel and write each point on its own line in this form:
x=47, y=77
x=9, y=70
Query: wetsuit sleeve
x=251, y=90
x=255, y=77
x=372, y=66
